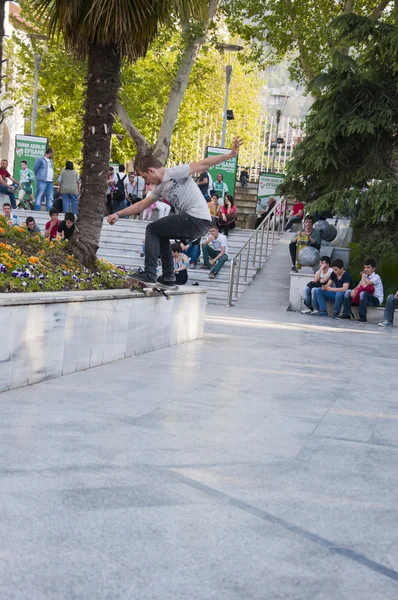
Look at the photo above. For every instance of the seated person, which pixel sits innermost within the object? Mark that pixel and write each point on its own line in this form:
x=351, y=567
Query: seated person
x=52, y=226
x=340, y=281
x=227, y=219
x=192, y=250
x=391, y=305
x=321, y=278
x=181, y=262
x=67, y=227
x=296, y=214
x=264, y=211
x=369, y=292
x=7, y=214
x=308, y=237
x=214, y=208
x=215, y=252
x=244, y=177
x=31, y=226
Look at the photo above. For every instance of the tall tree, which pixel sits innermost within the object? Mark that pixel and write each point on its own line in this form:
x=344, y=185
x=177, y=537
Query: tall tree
x=2, y=17
x=106, y=32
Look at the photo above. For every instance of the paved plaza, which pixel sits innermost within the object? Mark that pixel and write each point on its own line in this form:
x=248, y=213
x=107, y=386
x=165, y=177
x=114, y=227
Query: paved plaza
x=258, y=464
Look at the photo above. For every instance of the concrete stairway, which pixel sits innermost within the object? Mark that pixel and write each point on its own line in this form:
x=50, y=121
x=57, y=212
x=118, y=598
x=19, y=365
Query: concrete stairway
x=121, y=244
x=245, y=200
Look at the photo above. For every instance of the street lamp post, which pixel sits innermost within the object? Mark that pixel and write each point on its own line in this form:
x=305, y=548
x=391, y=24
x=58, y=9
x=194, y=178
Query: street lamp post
x=280, y=103
x=34, y=110
x=228, y=75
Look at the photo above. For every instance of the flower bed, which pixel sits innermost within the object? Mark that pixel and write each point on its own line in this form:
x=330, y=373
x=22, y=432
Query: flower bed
x=30, y=263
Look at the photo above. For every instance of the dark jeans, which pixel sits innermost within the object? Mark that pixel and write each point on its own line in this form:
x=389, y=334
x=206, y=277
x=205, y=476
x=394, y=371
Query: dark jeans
x=224, y=227
x=5, y=190
x=292, y=220
x=158, y=236
x=293, y=251
x=181, y=277
x=391, y=305
x=243, y=180
x=365, y=300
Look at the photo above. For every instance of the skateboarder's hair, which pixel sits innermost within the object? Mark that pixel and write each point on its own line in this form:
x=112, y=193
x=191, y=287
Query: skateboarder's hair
x=143, y=163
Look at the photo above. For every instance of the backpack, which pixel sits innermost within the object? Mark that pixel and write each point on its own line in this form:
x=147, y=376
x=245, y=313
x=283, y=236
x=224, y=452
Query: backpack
x=119, y=193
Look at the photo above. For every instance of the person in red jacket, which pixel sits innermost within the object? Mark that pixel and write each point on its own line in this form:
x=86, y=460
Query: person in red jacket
x=296, y=215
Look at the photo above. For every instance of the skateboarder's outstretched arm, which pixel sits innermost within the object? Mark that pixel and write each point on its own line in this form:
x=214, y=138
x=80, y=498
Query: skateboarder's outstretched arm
x=134, y=209
x=211, y=161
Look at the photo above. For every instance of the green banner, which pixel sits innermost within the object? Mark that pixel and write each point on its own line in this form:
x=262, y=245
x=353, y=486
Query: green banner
x=29, y=148
x=267, y=184
x=227, y=169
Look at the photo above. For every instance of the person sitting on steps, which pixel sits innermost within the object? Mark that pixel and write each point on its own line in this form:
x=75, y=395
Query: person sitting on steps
x=340, y=281
x=265, y=211
x=321, y=278
x=369, y=292
x=391, y=305
x=308, y=237
x=227, y=218
x=181, y=262
x=215, y=252
x=295, y=215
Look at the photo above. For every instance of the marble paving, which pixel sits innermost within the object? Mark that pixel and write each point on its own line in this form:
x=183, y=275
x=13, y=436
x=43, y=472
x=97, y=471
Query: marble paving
x=258, y=464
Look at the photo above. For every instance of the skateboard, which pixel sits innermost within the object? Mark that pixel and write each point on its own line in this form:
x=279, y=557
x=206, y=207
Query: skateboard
x=150, y=288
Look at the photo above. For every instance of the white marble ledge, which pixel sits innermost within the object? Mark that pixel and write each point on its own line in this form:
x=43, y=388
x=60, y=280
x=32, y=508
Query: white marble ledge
x=25, y=298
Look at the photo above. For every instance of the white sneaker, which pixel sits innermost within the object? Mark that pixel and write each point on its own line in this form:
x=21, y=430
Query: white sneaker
x=306, y=311
x=315, y=312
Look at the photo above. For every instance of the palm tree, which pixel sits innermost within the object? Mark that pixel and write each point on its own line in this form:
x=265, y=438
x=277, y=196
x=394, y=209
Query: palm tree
x=105, y=32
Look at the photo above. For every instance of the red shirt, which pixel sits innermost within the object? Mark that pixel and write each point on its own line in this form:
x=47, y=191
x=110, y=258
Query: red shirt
x=297, y=207
x=4, y=173
x=224, y=209
x=54, y=229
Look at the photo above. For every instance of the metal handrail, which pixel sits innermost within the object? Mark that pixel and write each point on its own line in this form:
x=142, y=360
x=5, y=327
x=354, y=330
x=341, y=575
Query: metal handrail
x=257, y=252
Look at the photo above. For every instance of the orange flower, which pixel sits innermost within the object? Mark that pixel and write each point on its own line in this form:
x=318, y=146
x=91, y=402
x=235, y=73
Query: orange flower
x=70, y=257
x=33, y=260
x=18, y=251
x=1, y=230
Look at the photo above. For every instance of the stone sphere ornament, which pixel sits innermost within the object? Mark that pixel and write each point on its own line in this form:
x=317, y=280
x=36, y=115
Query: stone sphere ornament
x=333, y=233
x=325, y=229
x=308, y=257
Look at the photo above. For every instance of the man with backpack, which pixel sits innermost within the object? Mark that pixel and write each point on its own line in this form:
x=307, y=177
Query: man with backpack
x=120, y=180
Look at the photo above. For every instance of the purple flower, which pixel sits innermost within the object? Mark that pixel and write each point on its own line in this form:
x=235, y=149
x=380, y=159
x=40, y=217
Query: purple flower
x=41, y=276
x=15, y=274
x=74, y=278
x=3, y=268
x=64, y=273
x=32, y=277
x=40, y=284
x=88, y=280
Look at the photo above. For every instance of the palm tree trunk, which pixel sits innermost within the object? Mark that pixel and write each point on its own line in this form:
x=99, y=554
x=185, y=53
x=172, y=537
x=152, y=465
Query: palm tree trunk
x=103, y=82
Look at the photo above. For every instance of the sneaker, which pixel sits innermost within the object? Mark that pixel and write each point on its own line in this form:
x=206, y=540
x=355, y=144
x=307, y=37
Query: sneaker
x=321, y=313
x=343, y=316
x=166, y=282
x=212, y=275
x=142, y=255
x=386, y=324
x=307, y=311
x=142, y=276
x=361, y=320
x=293, y=270
x=315, y=312
x=205, y=267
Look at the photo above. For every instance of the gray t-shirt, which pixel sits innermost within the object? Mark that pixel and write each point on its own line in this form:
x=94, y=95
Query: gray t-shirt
x=181, y=191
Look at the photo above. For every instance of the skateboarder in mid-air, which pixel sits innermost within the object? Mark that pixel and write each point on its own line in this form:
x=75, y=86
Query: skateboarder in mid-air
x=193, y=216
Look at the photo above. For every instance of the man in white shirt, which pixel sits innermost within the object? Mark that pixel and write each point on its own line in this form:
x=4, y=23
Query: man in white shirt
x=192, y=218
x=215, y=252
x=369, y=277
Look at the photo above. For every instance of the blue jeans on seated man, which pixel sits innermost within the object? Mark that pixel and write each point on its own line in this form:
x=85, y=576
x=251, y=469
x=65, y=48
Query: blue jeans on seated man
x=309, y=296
x=320, y=297
x=5, y=190
x=365, y=300
x=44, y=188
x=69, y=203
x=193, y=253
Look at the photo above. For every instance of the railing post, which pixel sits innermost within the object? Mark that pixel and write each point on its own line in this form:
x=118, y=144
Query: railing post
x=279, y=226
x=273, y=233
x=266, y=244
x=262, y=244
x=247, y=260
x=231, y=283
x=255, y=250
x=238, y=277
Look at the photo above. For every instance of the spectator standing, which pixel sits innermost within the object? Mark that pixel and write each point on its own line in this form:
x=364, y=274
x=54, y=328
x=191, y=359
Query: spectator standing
x=67, y=227
x=215, y=252
x=369, y=292
x=308, y=237
x=244, y=177
x=181, y=262
x=137, y=188
x=26, y=178
x=5, y=187
x=321, y=278
x=220, y=188
x=51, y=230
x=120, y=181
x=340, y=281
x=44, y=173
x=227, y=219
x=7, y=213
x=203, y=183
x=391, y=305
x=31, y=226
x=296, y=214
x=263, y=212
x=69, y=188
